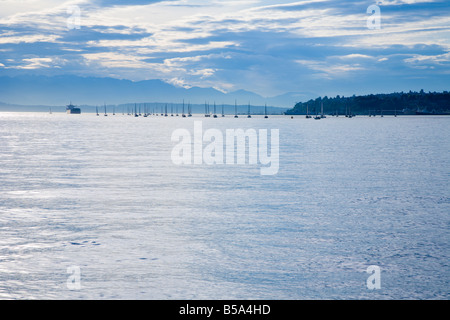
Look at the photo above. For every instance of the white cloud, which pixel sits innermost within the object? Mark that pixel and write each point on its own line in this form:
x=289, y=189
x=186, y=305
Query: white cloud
x=400, y=2
x=354, y=56
x=178, y=82
x=429, y=59
x=28, y=39
x=203, y=73
x=38, y=63
x=331, y=70
x=115, y=60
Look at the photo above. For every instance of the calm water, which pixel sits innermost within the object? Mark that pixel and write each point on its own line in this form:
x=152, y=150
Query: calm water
x=103, y=194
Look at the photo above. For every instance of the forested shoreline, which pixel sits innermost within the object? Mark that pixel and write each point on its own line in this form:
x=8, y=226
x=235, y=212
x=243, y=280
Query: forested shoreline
x=408, y=103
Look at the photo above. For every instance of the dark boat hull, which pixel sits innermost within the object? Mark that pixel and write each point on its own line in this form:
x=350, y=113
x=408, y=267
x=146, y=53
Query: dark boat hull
x=74, y=111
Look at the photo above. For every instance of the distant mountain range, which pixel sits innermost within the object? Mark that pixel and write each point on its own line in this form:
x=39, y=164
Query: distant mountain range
x=61, y=90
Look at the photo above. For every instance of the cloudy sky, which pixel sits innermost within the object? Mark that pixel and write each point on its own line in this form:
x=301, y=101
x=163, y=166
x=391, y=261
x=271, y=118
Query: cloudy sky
x=319, y=47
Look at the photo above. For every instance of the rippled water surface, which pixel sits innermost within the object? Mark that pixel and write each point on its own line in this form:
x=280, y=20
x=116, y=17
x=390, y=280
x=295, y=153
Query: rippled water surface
x=102, y=194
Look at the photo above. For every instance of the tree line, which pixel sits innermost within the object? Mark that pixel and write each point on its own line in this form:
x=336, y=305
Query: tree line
x=375, y=104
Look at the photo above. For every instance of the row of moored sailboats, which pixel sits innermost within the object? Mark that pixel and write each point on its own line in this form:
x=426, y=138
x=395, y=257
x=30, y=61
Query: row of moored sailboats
x=317, y=116
x=164, y=112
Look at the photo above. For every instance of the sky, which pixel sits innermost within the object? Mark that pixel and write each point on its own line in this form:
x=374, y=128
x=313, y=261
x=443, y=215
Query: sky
x=311, y=47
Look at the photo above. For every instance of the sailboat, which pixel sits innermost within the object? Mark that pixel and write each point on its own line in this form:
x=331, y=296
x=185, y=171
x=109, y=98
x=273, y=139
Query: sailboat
x=50, y=111
x=235, y=109
x=207, y=115
x=183, y=115
x=165, y=113
x=189, y=110
x=105, y=111
x=223, y=113
x=249, y=116
x=215, y=115
x=317, y=117
x=321, y=111
x=265, y=112
x=307, y=112
x=96, y=109
x=145, y=111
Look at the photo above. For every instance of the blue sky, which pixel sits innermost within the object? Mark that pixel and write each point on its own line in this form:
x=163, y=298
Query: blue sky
x=314, y=47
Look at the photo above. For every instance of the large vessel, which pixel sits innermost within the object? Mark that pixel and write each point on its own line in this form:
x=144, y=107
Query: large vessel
x=71, y=109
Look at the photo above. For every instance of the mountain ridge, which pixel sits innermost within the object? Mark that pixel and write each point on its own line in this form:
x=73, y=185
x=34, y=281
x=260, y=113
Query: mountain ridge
x=63, y=89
